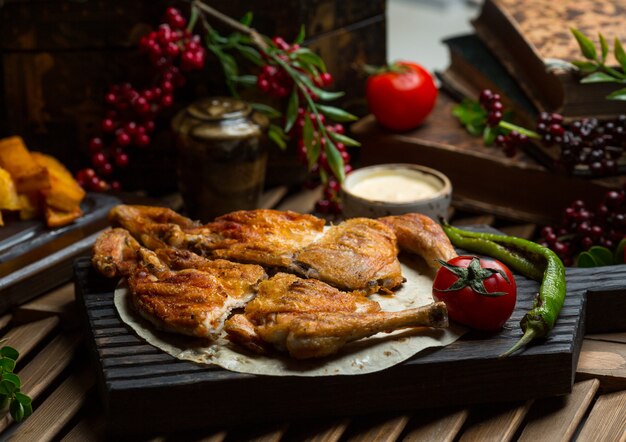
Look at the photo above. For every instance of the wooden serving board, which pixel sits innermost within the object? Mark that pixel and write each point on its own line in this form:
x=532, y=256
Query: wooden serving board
x=35, y=258
x=146, y=390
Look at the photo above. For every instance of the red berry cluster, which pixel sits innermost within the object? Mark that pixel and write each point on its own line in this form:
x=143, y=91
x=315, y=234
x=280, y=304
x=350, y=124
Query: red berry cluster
x=582, y=228
x=131, y=112
x=275, y=81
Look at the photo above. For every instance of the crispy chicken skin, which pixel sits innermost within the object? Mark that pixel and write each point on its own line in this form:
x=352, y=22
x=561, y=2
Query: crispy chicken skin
x=310, y=319
x=176, y=290
x=266, y=237
x=421, y=235
x=193, y=302
x=115, y=253
x=358, y=254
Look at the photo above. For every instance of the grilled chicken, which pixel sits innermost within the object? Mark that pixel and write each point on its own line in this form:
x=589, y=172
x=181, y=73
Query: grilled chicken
x=418, y=234
x=358, y=254
x=177, y=291
x=311, y=319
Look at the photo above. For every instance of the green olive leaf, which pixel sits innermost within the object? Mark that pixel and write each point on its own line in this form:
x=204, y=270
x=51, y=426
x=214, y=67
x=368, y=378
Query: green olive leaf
x=292, y=110
x=604, y=46
x=246, y=19
x=250, y=54
x=620, y=55
x=586, y=46
x=312, y=149
x=585, y=67
x=619, y=94
x=599, y=77
x=343, y=139
x=301, y=35
x=336, y=114
x=276, y=134
x=266, y=110
x=334, y=160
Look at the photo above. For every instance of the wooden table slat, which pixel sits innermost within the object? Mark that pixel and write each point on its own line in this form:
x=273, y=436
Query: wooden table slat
x=495, y=422
x=60, y=301
x=27, y=336
x=607, y=420
x=605, y=361
x=556, y=419
x=87, y=430
x=45, y=367
x=385, y=430
x=320, y=430
x=57, y=410
x=441, y=425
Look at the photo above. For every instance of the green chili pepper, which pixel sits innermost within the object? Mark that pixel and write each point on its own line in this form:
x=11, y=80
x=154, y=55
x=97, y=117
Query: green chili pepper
x=521, y=254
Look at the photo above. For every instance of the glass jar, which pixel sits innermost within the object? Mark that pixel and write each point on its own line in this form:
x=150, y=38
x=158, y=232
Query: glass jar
x=222, y=156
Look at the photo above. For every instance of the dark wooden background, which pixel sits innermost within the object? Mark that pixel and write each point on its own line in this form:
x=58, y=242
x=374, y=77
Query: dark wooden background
x=57, y=59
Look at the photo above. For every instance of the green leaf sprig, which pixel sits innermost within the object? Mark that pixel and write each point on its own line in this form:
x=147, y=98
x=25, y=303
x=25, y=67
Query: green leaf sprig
x=595, y=69
x=20, y=405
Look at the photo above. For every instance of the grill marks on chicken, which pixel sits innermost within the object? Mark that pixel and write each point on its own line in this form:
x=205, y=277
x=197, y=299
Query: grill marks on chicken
x=310, y=319
x=176, y=290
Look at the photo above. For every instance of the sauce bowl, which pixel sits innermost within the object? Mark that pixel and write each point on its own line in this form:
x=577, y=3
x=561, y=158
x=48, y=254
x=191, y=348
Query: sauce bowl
x=394, y=189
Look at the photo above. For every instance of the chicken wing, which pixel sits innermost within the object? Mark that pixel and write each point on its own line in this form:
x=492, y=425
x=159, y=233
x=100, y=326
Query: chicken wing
x=115, y=253
x=311, y=319
x=419, y=234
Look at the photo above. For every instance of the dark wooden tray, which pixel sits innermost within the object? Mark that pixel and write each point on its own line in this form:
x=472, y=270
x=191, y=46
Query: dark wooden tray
x=35, y=258
x=147, y=390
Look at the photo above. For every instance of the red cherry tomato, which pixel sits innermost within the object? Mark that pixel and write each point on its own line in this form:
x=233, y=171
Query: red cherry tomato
x=480, y=293
x=402, y=96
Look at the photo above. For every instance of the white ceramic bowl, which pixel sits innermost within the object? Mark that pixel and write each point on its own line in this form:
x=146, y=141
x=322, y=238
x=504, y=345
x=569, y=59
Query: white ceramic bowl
x=394, y=189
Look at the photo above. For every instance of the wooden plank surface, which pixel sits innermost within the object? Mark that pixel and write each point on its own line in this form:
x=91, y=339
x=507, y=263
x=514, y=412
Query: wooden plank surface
x=607, y=421
x=605, y=361
x=556, y=419
x=495, y=422
x=386, y=429
x=27, y=336
x=57, y=410
x=442, y=425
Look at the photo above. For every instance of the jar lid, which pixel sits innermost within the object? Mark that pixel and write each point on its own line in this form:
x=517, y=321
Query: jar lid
x=218, y=108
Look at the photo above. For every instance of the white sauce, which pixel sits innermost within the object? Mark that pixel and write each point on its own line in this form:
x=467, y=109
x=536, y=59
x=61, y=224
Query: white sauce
x=393, y=187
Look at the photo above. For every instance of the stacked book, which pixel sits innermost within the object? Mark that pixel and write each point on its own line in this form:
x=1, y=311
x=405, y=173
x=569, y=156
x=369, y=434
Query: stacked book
x=524, y=50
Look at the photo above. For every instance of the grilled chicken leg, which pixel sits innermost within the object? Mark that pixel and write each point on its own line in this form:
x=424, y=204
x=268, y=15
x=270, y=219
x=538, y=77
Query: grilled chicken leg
x=310, y=319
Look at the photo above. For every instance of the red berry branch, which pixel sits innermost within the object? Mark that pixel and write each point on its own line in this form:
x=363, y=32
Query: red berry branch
x=131, y=110
x=299, y=76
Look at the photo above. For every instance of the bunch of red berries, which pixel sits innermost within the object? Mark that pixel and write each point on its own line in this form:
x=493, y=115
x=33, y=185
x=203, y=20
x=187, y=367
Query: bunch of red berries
x=582, y=227
x=131, y=111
